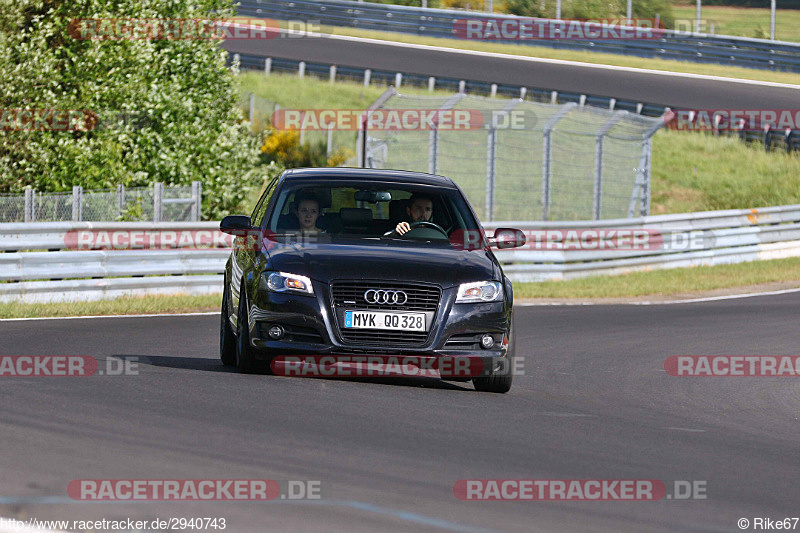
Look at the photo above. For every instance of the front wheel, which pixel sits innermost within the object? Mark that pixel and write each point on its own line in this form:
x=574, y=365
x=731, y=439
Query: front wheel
x=245, y=358
x=498, y=381
x=227, y=340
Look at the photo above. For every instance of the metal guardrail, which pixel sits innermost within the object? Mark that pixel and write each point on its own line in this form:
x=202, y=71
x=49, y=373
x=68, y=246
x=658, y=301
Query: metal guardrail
x=699, y=48
x=385, y=77
x=730, y=236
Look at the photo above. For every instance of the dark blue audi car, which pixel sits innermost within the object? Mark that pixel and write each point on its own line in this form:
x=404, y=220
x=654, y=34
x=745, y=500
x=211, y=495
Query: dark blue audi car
x=360, y=261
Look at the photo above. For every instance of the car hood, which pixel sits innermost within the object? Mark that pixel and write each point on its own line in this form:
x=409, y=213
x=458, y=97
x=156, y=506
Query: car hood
x=440, y=265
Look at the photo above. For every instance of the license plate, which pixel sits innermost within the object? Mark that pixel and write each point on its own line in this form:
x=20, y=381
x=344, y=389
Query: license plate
x=383, y=320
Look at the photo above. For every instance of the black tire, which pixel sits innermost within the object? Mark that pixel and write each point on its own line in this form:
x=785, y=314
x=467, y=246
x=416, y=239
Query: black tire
x=245, y=356
x=227, y=339
x=499, y=381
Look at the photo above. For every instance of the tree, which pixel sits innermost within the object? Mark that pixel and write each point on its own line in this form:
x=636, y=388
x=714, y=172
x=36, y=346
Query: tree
x=162, y=109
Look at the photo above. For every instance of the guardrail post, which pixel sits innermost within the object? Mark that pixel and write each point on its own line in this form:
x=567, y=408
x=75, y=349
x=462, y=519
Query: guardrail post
x=197, y=200
x=158, y=198
x=398, y=79
x=491, y=169
x=431, y=83
x=77, y=203
x=332, y=74
x=367, y=76
x=612, y=104
x=301, y=69
x=494, y=90
x=554, y=97
x=30, y=198
x=582, y=101
x=462, y=86
x=267, y=66
x=523, y=92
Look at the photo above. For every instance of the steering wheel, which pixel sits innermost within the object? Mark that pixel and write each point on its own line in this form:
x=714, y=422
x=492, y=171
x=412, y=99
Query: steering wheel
x=426, y=224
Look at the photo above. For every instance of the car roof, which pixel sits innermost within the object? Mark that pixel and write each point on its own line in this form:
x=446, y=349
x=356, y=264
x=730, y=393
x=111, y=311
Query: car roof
x=344, y=173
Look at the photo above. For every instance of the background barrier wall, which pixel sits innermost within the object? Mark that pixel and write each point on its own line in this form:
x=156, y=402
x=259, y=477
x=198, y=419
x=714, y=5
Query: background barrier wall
x=28, y=273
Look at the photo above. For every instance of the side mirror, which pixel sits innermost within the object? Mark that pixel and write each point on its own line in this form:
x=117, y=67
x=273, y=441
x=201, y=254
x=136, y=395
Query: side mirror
x=236, y=225
x=508, y=238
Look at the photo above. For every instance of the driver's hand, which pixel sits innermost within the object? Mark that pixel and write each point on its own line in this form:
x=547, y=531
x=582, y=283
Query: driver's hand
x=402, y=228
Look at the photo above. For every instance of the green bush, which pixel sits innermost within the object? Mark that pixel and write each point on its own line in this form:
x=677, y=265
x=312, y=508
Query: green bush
x=183, y=96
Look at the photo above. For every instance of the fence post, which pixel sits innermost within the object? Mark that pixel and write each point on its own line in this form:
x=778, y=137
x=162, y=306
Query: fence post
x=77, y=203
x=30, y=198
x=648, y=146
x=329, y=142
x=598, y=162
x=367, y=76
x=493, y=93
x=431, y=84
x=196, y=197
x=252, y=113
x=301, y=69
x=491, y=167
x=267, y=66
x=547, y=157
x=398, y=79
x=598, y=177
x=332, y=74
x=158, y=197
x=120, y=199
x=433, y=149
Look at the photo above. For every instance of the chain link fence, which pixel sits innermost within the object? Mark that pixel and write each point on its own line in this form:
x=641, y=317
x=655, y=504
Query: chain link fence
x=157, y=203
x=524, y=160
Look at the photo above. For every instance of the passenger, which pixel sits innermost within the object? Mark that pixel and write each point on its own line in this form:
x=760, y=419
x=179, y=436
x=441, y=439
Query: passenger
x=307, y=211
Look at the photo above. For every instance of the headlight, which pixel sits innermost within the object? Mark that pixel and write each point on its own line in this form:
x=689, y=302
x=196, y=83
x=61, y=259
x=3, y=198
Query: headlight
x=480, y=291
x=285, y=282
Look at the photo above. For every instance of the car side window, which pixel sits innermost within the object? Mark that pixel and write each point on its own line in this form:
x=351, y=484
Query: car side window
x=257, y=218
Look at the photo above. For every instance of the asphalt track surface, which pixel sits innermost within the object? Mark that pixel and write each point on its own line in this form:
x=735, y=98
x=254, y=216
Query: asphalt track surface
x=594, y=403
x=674, y=91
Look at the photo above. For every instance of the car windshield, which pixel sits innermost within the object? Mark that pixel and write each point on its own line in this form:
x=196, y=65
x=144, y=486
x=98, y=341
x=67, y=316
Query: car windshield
x=370, y=211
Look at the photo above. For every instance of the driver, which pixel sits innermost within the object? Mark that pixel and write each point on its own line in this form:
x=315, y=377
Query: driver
x=419, y=209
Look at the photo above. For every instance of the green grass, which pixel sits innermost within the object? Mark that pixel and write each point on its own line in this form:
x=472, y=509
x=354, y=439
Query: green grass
x=742, y=21
x=578, y=55
x=120, y=306
x=691, y=171
x=666, y=282
x=700, y=172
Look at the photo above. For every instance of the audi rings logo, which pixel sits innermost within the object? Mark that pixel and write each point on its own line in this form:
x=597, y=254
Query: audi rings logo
x=385, y=297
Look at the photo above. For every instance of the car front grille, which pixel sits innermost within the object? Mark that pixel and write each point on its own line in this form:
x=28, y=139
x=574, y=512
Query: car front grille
x=350, y=295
